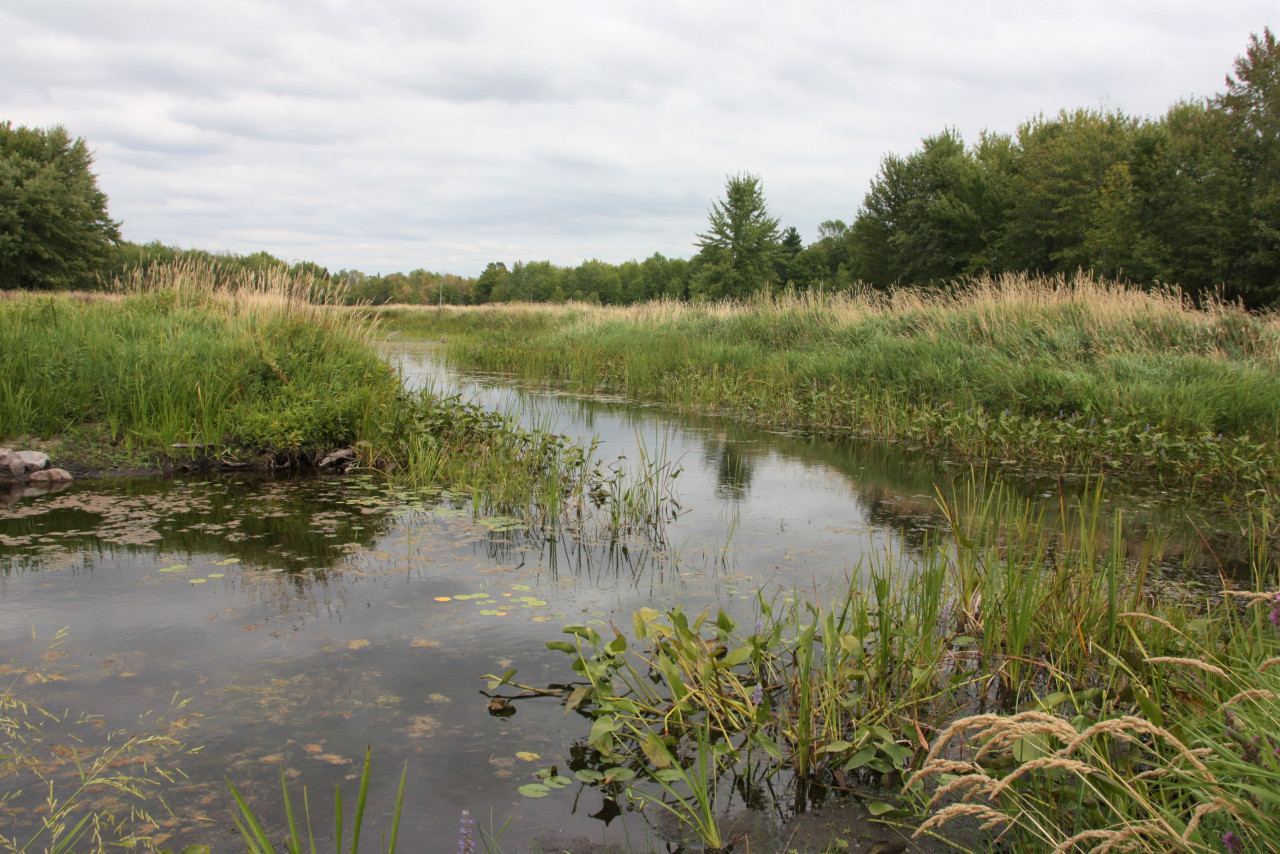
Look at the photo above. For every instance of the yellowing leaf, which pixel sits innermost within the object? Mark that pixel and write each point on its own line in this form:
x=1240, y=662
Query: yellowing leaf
x=527, y=756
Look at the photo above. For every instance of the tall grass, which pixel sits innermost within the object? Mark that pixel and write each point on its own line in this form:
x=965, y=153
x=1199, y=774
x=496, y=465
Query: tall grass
x=1077, y=374
x=1013, y=670
x=180, y=356
x=266, y=367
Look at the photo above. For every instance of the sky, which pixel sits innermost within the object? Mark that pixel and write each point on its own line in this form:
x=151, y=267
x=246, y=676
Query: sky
x=391, y=135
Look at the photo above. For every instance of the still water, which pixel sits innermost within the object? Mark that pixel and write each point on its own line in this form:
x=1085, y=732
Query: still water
x=296, y=621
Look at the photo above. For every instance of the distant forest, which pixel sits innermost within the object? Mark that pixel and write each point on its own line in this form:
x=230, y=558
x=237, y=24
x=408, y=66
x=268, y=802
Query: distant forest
x=1191, y=199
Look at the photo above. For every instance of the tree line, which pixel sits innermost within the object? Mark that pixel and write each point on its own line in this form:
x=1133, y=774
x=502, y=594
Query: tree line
x=1191, y=198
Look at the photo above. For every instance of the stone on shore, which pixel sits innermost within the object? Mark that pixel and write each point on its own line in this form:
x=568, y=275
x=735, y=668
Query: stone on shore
x=33, y=460
x=49, y=476
x=29, y=467
x=11, y=465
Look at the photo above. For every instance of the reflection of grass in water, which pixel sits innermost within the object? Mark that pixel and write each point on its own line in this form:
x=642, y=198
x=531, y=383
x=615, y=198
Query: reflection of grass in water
x=1065, y=375
x=291, y=525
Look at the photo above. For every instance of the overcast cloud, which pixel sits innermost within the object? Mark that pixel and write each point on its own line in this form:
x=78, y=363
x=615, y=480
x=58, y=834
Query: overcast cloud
x=394, y=134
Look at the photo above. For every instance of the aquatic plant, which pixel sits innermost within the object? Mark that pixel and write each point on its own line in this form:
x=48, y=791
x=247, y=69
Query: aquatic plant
x=1076, y=375
x=993, y=632
x=100, y=791
x=258, y=840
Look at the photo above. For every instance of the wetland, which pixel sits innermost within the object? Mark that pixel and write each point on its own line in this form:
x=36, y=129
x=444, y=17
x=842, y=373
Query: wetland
x=589, y=612
x=299, y=619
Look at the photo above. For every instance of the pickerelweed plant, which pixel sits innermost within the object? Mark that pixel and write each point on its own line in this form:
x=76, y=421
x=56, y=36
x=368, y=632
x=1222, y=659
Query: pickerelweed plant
x=1037, y=642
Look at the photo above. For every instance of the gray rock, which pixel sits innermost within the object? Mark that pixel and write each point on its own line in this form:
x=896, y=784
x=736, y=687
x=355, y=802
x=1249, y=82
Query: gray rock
x=11, y=465
x=33, y=460
x=49, y=476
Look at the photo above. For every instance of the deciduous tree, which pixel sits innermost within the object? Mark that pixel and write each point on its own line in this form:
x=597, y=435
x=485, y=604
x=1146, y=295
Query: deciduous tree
x=54, y=228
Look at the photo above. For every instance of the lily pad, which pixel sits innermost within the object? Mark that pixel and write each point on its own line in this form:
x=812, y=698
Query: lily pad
x=533, y=790
x=502, y=523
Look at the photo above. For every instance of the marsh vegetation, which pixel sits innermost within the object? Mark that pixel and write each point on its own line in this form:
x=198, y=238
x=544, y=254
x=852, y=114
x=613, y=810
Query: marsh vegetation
x=1065, y=376
x=796, y=618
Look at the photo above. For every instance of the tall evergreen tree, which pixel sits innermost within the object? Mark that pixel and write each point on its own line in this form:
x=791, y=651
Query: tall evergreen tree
x=738, y=249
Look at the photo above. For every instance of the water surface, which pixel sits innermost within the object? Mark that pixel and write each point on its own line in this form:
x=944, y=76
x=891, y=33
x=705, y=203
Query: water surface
x=303, y=619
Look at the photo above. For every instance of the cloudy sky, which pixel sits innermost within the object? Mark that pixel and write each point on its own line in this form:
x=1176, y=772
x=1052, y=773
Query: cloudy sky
x=388, y=135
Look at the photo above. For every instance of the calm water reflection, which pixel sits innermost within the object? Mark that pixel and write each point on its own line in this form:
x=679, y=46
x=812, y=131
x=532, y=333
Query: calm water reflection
x=307, y=618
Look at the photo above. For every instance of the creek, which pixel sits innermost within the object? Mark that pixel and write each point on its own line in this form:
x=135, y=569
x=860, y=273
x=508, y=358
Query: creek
x=302, y=619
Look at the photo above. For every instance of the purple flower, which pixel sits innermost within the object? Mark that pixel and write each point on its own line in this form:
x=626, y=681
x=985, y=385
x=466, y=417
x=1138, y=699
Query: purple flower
x=1231, y=842
x=1275, y=611
x=757, y=696
x=466, y=842
x=759, y=626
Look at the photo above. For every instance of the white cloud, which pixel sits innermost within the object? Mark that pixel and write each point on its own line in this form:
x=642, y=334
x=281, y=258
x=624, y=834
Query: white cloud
x=401, y=134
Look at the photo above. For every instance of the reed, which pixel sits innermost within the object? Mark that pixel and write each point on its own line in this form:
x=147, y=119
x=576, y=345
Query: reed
x=1063, y=374
x=266, y=367
x=1013, y=668
x=179, y=355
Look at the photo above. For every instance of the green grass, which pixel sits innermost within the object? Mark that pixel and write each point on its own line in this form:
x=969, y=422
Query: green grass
x=253, y=369
x=1015, y=671
x=1078, y=376
x=176, y=360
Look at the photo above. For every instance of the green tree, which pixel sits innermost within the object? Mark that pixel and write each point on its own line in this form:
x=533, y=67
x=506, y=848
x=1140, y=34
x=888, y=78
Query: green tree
x=1066, y=171
x=494, y=276
x=1252, y=103
x=54, y=228
x=738, y=249
x=811, y=268
x=930, y=216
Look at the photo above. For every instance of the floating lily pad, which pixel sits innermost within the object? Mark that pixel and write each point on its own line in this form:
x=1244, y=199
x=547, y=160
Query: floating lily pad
x=527, y=755
x=533, y=790
x=502, y=523
x=444, y=598
x=217, y=575
x=521, y=587
x=491, y=612
x=226, y=562
x=198, y=580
